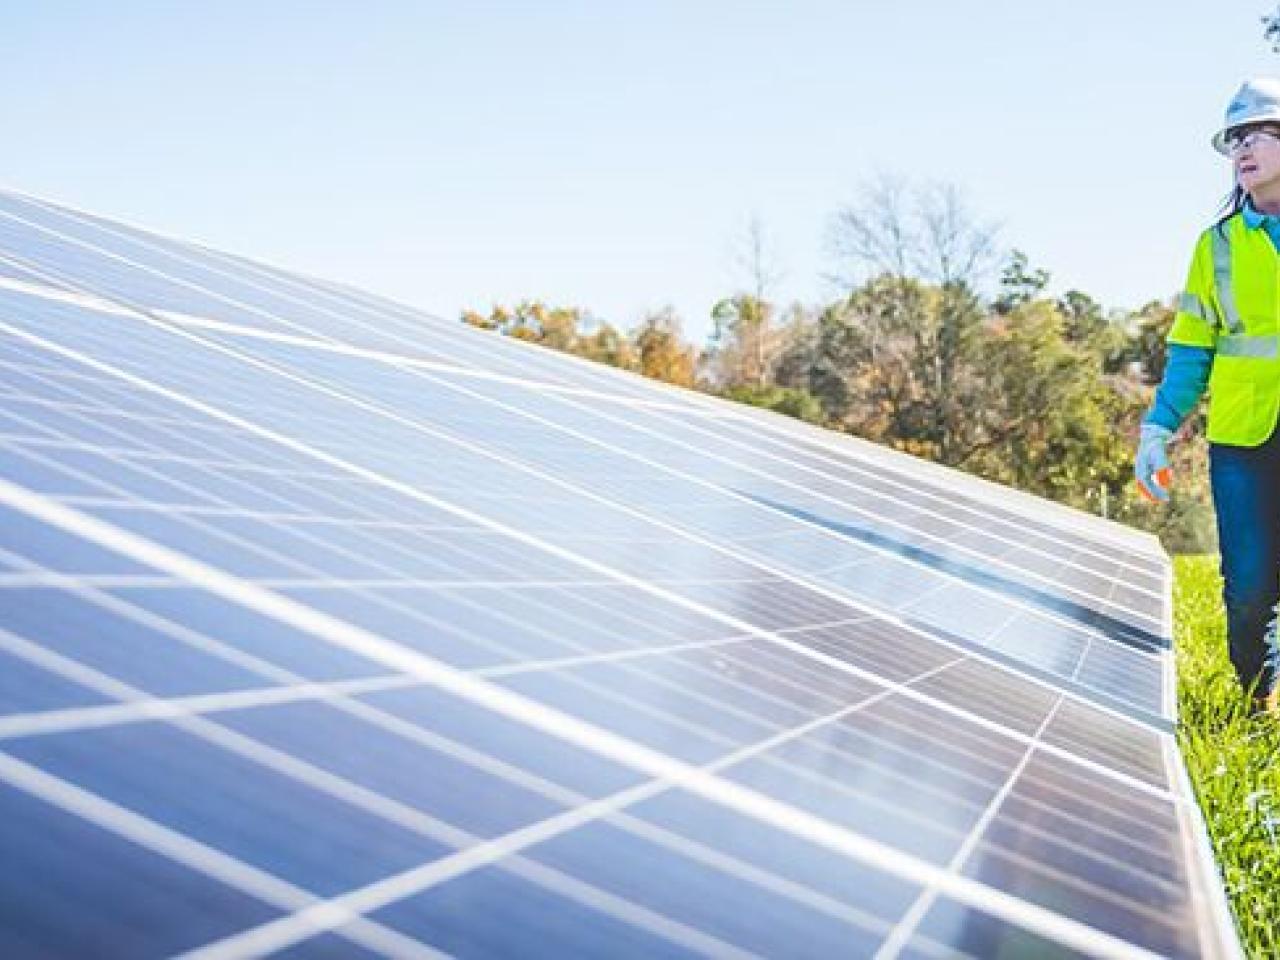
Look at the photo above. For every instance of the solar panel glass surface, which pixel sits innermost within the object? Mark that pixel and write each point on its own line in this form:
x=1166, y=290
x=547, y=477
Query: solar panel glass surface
x=491, y=651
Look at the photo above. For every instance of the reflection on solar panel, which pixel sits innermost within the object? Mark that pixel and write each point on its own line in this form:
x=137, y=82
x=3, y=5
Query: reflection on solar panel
x=332, y=628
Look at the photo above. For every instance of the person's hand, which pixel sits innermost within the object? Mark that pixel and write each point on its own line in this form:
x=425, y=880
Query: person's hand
x=1151, y=464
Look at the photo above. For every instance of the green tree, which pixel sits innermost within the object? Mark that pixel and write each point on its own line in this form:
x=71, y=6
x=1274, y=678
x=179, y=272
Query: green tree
x=1083, y=319
x=1019, y=284
x=742, y=341
x=793, y=402
x=1048, y=416
x=1151, y=326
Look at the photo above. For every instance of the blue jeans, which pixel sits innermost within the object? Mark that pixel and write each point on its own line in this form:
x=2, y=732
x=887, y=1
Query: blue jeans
x=1246, y=499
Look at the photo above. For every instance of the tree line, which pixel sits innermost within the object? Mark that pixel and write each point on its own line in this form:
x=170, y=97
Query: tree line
x=923, y=353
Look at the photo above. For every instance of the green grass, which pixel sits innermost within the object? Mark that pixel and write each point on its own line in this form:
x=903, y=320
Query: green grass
x=1231, y=757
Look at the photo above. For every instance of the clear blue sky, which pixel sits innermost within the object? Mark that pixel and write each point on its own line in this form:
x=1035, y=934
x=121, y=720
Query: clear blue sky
x=607, y=154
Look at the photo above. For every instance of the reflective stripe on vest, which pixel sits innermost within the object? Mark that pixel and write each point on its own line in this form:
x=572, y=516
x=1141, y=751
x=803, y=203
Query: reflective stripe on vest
x=1242, y=345
x=1222, y=280
x=1190, y=303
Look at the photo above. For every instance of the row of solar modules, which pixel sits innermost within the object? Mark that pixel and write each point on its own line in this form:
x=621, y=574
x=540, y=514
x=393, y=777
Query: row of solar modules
x=784, y=618
x=1097, y=612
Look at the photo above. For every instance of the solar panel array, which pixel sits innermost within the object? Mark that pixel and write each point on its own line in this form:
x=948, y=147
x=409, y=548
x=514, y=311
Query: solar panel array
x=333, y=628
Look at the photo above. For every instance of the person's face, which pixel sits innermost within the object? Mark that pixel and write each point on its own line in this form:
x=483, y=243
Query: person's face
x=1255, y=156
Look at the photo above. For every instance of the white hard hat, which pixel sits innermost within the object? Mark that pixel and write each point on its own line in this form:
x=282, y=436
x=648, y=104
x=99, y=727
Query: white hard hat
x=1255, y=102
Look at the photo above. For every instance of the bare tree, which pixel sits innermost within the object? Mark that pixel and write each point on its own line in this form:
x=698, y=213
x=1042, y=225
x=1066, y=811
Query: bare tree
x=744, y=339
x=954, y=247
x=876, y=233
x=926, y=232
x=758, y=258
x=912, y=258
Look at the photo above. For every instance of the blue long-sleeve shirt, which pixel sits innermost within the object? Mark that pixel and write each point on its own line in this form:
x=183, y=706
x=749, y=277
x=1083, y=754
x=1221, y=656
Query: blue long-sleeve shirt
x=1186, y=369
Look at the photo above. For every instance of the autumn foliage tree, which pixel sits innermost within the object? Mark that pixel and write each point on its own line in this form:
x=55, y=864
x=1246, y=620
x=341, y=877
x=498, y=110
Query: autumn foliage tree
x=662, y=353
x=1037, y=391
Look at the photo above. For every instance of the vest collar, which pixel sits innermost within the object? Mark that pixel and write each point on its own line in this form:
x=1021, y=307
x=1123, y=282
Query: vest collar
x=1253, y=219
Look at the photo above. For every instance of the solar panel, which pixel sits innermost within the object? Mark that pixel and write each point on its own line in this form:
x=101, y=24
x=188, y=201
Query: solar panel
x=331, y=627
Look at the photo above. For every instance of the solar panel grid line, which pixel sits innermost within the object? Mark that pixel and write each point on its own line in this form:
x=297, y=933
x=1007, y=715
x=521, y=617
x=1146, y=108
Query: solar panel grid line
x=19, y=375
x=79, y=409
x=86, y=405
x=384, y=412
x=1133, y=812
x=287, y=931
x=272, y=671
x=132, y=264
x=1153, y=885
x=962, y=491
x=1140, y=911
x=306, y=581
x=123, y=454
x=259, y=581
x=1143, y=770
x=683, y=844
x=474, y=851
x=989, y=900
x=613, y=448
x=292, y=563
x=1124, y=845
x=52, y=287
x=317, y=341
x=282, y=562
x=1009, y=622
x=150, y=709
x=982, y=521
x=10, y=269
x=50, y=578
x=906, y=927
x=1144, y=548
x=123, y=581
x=191, y=638
x=211, y=507
x=319, y=520
x=244, y=425
x=952, y=489
x=379, y=805
x=315, y=583
x=1057, y=517
x=195, y=855
x=1112, y=593
x=418, y=734
x=568, y=395
x=205, y=258
x=343, y=298
x=1084, y=658
x=346, y=318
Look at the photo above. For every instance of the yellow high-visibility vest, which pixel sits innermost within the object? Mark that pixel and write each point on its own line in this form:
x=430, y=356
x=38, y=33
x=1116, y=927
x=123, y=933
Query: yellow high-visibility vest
x=1231, y=304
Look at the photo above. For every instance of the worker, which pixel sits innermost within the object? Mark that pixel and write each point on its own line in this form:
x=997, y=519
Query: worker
x=1225, y=336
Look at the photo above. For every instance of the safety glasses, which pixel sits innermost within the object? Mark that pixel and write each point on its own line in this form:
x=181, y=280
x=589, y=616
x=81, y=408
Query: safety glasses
x=1251, y=138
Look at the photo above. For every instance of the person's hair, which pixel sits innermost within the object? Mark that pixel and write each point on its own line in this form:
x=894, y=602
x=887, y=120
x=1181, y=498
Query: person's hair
x=1232, y=204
